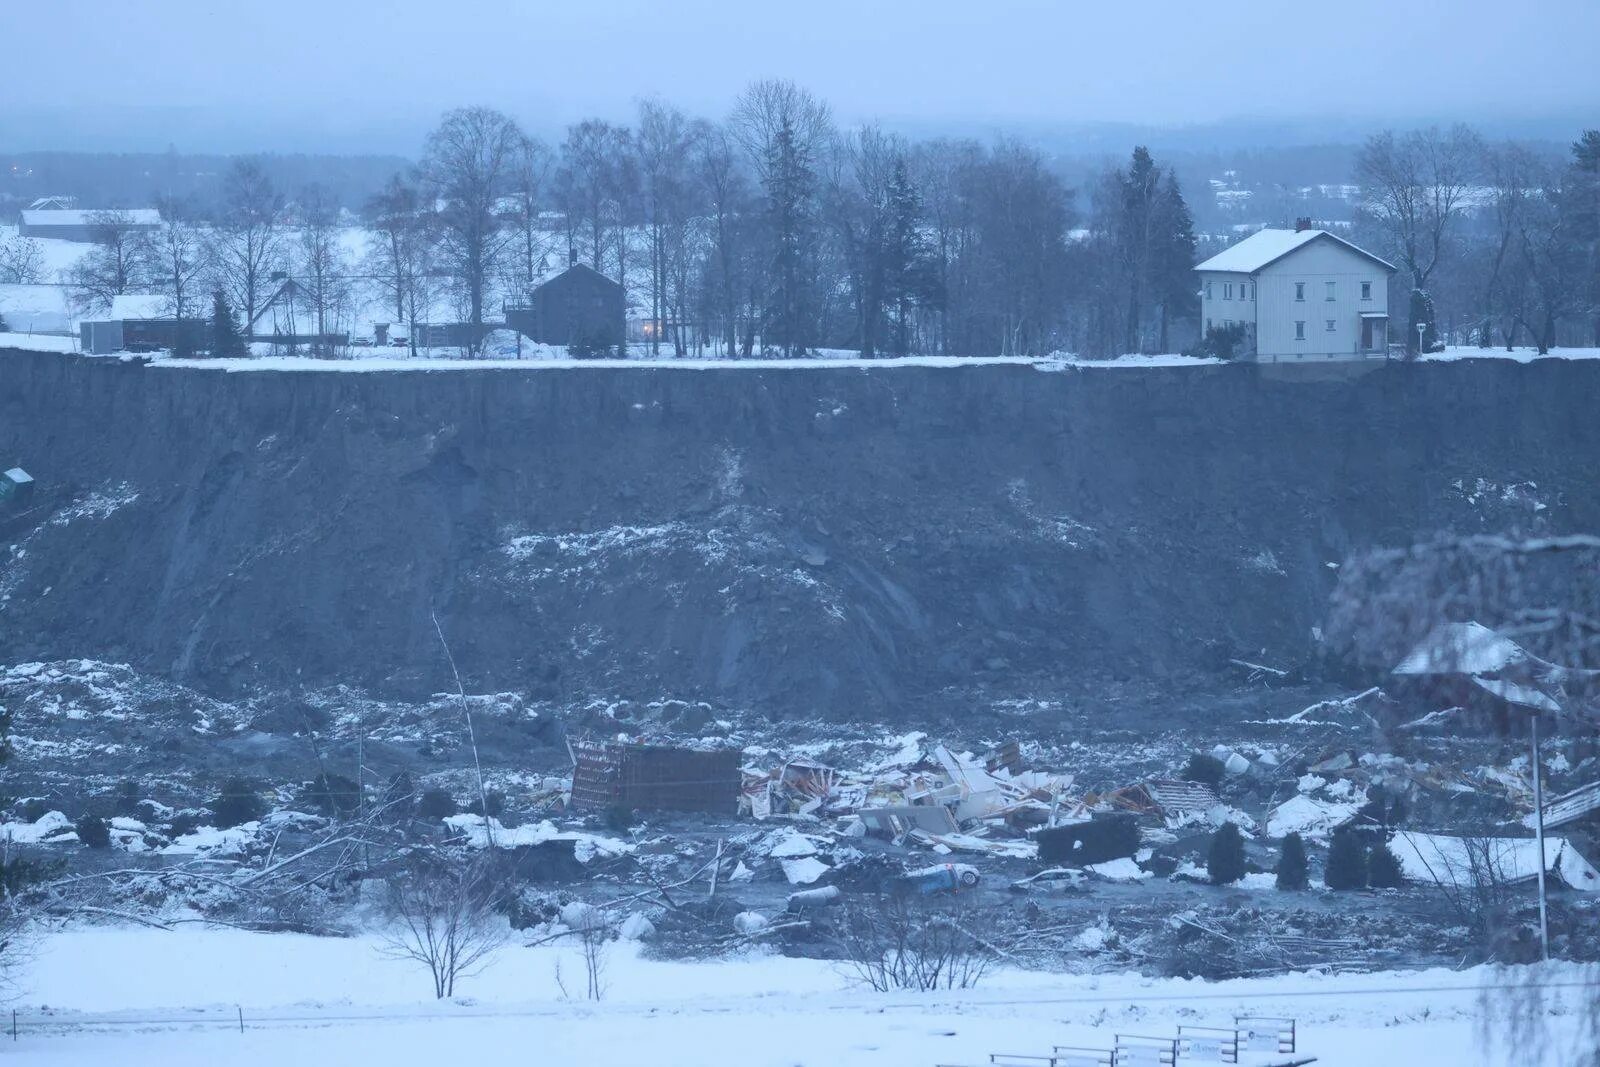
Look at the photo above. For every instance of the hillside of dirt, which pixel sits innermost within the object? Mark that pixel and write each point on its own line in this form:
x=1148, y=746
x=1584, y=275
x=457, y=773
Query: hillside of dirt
x=842, y=542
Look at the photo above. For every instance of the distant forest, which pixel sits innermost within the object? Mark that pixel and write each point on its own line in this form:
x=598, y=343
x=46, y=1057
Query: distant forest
x=778, y=230
x=140, y=179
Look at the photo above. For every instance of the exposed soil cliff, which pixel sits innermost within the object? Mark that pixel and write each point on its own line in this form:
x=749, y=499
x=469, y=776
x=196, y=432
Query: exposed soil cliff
x=823, y=540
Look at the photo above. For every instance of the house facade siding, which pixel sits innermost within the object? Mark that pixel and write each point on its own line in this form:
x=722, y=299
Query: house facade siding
x=578, y=307
x=1306, y=305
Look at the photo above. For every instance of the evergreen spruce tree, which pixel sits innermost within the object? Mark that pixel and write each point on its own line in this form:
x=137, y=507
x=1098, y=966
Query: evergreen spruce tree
x=226, y=341
x=1383, y=868
x=789, y=183
x=1422, y=312
x=910, y=277
x=1172, y=261
x=1225, y=861
x=1292, y=867
x=1347, y=861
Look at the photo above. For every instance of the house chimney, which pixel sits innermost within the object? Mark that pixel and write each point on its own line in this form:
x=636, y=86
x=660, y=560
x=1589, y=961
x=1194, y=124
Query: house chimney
x=572, y=257
x=1302, y=224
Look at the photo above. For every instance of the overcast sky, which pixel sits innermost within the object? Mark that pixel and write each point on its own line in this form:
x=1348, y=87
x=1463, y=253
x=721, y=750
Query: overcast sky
x=310, y=73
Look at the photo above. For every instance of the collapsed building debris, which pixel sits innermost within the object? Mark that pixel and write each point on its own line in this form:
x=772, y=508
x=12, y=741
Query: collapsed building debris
x=1462, y=861
x=1569, y=807
x=928, y=796
x=638, y=776
x=1469, y=665
x=1165, y=798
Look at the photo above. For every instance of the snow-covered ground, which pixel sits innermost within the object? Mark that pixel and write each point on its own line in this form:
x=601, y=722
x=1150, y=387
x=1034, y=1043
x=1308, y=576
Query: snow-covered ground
x=544, y=357
x=316, y=1000
x=554, y=358
x=1516, y=355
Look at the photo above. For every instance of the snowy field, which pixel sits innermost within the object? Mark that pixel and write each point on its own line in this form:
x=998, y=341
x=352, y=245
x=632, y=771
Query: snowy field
x=311, y=1001
x=544, y=357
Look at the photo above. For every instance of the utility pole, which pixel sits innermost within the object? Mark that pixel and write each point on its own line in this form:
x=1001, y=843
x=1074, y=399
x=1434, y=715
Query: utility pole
x=1538, y=829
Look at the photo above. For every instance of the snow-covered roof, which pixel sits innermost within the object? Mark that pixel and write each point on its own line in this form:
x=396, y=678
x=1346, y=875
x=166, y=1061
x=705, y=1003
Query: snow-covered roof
x=1569, y=807
x=138, y=216
x=1445, y=860
x=18, y=476
x=140, y=306
x=1524, y=696
x=1265, y=247
x=1462, y=648
x=36, y=308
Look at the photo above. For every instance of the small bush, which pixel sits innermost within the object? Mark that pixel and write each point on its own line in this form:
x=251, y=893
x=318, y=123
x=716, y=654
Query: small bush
x=93, y=831
x=618, y=818
x=1383, y=868
x=436, y=804
x=1293, y=872
x=1347, y=861
x=496, y=801
x=127, y=800
x=188, y=821
x=1225, y=861
x=1204, y=768
x=1102, y=838
x=331, y=794
x=1223, y=342
x=238, y=802
x=33, y=809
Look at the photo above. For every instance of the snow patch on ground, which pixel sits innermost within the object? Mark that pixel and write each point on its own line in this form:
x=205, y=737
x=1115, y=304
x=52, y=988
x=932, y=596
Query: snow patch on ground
x=349, y=1004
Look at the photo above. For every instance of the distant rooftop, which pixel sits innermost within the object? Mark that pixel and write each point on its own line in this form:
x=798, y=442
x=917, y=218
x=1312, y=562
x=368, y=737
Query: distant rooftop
x=139, y=216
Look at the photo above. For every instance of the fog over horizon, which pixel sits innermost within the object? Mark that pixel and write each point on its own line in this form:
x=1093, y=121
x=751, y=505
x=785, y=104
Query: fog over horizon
x=303, y=77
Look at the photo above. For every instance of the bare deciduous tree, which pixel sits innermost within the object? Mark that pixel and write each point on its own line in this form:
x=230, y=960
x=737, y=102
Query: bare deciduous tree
x=899, y=941
x=1416, y=188
x=401, y=259
x=467, y=166
x=249, y=237
x=665, y=144
x=180, y=261
x=120, y=262
x=21, y=262
x=444, y=910
x=320, y=267
x=529, y=184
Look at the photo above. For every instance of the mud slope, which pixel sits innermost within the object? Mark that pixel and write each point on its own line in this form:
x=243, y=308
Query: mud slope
x=834, y=540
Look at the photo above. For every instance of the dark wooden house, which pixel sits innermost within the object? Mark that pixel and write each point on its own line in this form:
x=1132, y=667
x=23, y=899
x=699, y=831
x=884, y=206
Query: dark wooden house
x=580, y=308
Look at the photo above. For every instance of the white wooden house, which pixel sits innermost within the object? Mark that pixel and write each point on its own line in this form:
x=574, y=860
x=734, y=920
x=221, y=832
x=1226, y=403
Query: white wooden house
x=1301, y=294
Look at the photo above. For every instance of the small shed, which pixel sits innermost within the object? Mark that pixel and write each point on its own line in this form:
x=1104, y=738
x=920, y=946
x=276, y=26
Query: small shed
x=16, y=486
x=648, y=777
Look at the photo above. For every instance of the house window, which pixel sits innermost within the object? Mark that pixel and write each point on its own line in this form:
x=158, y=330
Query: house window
x=1299, y=290
x=1330, y=290
x=1227, y=290
x=1330, y=326
x=1366, y=290
x=1208, y=290
x=1252, y=290
x=1208, y=326
x=1299, y=331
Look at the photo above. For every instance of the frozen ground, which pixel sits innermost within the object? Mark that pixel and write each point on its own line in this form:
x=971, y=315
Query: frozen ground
x=543, y=357
x=310, y=1001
